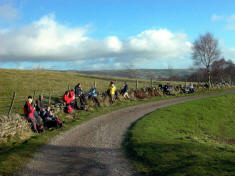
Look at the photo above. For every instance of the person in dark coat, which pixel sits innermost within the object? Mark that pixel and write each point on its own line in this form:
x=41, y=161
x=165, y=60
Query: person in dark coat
x=125, y=91
x=40, y=108
x=50, y=120
x=80, y=97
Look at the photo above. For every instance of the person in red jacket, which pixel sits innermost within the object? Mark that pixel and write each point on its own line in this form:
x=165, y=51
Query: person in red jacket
x=68, y=102
x=29, y=113
x=72, y=97
x=66, y=98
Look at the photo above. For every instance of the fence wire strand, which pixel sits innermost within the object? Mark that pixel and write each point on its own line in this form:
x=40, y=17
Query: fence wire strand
x=101, y=85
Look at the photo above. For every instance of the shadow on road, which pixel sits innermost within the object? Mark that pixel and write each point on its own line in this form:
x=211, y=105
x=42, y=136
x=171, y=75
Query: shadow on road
x=73, y=161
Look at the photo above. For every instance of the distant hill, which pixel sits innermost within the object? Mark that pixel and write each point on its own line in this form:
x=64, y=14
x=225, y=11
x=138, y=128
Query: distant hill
x=141, y=73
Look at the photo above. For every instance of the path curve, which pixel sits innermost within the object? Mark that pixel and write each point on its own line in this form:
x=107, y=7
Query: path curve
x=94, y=148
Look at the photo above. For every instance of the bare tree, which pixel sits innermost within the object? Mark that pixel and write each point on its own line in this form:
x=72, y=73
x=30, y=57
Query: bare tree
x=223, y=70
x=205, y=52
x=218, y=70
x=230, y=71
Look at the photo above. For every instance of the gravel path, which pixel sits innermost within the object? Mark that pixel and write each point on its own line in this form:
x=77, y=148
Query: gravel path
x=94, y=148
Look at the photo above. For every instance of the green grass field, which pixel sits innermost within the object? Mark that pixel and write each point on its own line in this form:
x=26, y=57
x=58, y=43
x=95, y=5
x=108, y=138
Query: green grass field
x=191, y=139
x=24, y=82
x=16, y=152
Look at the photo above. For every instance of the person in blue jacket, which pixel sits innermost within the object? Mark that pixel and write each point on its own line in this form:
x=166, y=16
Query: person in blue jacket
x=92, y=94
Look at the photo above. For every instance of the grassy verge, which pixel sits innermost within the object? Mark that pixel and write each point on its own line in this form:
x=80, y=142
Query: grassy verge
x=15, y=154
x=193, y=138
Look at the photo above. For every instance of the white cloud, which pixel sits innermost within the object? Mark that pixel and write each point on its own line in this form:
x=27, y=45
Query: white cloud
x=231, y=22
x=48, y=40
x=228, y=53
x=21, y=68
x=114, y=44
x=228, y=20
x=215, y=17
x=8, y=13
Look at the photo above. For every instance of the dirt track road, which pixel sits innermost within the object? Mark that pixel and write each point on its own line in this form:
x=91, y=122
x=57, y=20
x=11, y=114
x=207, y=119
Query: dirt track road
x=94, y=148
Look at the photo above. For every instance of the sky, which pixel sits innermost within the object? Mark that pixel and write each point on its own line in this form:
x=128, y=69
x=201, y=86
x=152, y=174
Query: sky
x=110, y=34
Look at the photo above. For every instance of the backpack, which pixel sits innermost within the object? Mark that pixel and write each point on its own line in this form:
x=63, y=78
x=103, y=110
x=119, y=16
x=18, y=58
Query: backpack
x=53, y=122
x=69, y=109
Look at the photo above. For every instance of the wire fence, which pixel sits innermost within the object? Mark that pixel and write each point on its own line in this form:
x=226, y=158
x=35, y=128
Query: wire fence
x=15, y=102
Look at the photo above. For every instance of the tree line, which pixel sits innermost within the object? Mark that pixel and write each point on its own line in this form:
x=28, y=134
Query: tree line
x=210, y=66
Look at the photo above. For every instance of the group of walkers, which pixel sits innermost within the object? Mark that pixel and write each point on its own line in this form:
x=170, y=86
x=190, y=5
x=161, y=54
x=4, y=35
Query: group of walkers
x=167, y=88
x=77, y=99
x=41, y=117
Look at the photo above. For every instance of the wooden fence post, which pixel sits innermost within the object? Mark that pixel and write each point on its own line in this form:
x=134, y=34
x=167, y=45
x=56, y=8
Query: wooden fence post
x=12, y=103
x=49, y=100
x=68, y=86
x=34, y=93
x=151, y=82
x=95, y=84
x=136, y=85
